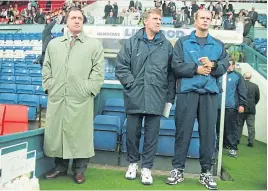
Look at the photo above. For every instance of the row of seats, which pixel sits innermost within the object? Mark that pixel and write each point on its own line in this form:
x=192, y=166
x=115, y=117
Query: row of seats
x=20, y=65
x=27, y=80
x=24, y=99
x=167, y=21
x=22, y=89
x=27, y=56
x=24, y=36
x=260, y=45
x=20, y=72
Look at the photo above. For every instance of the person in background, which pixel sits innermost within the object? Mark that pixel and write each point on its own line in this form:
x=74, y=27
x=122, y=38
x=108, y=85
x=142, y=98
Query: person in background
x=253, y=15
x=110, y=20
x=236, y=98
x=73, y=73
x=143, y=67
x=198, y=61
x=229, y=24
x=253, y=98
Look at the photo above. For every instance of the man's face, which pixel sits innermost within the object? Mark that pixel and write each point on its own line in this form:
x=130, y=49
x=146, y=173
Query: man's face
x=231, y=67
x=153, y=22
x=203, y=20
x=75, y=21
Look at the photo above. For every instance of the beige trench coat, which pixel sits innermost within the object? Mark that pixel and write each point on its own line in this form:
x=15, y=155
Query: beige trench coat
x=73, y=75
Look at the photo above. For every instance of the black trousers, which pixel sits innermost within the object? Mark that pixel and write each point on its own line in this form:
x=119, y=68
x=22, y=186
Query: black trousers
x=250, y=120
x=189, y=106
x=230, y=137
x=151, y=132
x=79, y=165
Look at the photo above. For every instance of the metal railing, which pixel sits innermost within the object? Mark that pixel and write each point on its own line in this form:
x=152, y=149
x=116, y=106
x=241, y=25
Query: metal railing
x=255, y=59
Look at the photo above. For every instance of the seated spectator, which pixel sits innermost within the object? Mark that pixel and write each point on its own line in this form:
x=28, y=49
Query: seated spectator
x=3, y=21
x=216, y=21
x=90, y=18
x=110, y=19
x=229, y=24
x=165, y=9
x=40, y=17
x=24, y=14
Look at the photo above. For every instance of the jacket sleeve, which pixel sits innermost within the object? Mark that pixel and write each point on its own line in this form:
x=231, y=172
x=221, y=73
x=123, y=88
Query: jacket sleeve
x=246, y=29
x=123, y=65
x=171, y=80
x=257, y=94
x=179, y=67
x=46, y=71
x=96, y=77
x=222, y=64
x=242, y=91
x=47, y=31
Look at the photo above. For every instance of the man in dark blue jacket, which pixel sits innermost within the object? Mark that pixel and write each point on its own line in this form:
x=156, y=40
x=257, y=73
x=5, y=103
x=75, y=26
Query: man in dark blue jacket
x=236, y=97
x=198, y=60
x=143, y=66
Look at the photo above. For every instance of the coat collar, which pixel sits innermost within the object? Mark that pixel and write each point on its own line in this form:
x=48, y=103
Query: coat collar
x=67, y=35
x=193, y=38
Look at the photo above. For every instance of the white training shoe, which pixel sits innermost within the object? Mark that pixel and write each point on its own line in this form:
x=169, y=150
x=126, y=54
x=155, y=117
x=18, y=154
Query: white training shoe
x=131, y=173
x=146, y=176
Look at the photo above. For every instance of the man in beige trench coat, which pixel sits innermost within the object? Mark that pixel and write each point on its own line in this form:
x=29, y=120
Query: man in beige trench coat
x=73, y=73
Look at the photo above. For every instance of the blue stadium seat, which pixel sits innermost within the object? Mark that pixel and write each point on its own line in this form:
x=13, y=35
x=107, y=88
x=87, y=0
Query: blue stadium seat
x=166, y=139
x=23, y=80
x=8, y=88
x=43, y=101
x=8, y=60
x=115, y=107
x=32, y=113
x=39, y=90
x=19, y=60
x=20, y=66
x=7, y=72
x=7, y=98
x=35, y=73
x=21, y=72
x=37, y=81
x=106, y=132
x=7, y=65
x=7, y=79
x=29, y=100
x=34, y=67
x=25, y=89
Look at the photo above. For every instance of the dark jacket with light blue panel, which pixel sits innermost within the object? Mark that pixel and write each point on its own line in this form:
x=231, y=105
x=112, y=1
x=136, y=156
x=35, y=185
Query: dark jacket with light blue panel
x=185, y=62
x=236, y=91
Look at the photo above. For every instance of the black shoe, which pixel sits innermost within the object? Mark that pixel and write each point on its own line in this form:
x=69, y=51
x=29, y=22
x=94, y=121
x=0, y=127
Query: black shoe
x=250, y=145
x=225, y=147
x=54, y=174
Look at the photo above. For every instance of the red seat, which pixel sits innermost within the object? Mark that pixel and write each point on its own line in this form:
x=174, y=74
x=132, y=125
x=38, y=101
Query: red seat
x=14, y=118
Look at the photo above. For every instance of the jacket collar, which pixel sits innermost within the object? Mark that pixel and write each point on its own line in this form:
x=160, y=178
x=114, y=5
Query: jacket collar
x=141, y=35
x=193, y=38
x=67, y=35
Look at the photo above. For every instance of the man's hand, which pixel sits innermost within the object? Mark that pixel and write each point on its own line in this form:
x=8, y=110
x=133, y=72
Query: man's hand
x=241, y=109
x=206, y=62
x=203, y=70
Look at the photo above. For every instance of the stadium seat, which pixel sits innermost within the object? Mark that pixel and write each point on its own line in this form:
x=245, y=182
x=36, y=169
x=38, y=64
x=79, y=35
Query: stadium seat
x=7, y=72
x=25, y=89
x=7, y=65
x=7, y=79
x=29, y=100
x=23, y=80
x=21, y=72
x=32, y=113
x=35, y=73
x=8, y=88
x=115, y=107
x=43, y=101
x=39, y=90
x=20, y=66
x=8, y=98
x=106, y=132
x=166, y=139
x=34, y=67
x=37, y=81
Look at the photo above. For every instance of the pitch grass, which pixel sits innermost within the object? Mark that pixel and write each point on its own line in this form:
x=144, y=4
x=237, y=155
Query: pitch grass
x=249, y=171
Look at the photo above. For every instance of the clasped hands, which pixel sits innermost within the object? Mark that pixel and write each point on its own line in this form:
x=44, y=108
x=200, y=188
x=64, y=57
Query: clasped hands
x=206, y=68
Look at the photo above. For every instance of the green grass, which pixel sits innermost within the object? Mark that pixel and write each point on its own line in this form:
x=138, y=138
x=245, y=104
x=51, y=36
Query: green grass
x=248, y=171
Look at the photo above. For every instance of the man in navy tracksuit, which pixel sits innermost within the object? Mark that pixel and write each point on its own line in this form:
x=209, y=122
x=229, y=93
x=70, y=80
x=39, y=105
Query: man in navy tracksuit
x=236, y=98
x=198, y=60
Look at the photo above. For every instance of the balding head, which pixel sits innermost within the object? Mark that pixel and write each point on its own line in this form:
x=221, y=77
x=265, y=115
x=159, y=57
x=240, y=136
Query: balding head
x=247, y=76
